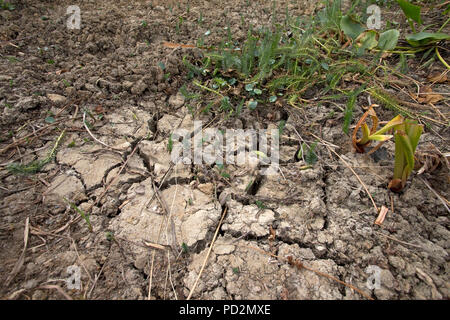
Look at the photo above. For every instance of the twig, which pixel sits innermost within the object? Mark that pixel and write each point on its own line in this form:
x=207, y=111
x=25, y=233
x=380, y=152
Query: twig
x=174, y=245
x=164, y=206
x=27, y=136
x=118, y=174
x=57, y=288
x=400, y=241
x=92, y=136
x=97, y=276
x=21, y=260
x=207, y=255
x=436, y=194
x=300, y=266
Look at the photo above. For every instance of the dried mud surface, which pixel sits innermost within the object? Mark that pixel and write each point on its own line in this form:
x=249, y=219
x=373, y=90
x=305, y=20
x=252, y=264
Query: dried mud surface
x=320, y=216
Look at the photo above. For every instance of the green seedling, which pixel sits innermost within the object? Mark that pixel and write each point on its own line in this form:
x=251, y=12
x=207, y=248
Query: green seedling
x=406, y=133
x=36, y=165
x=12, y=59
x=252, y=104
x=407, y=137
x=81, y=212
x=307, y=153
x=170, y=144
x=179, y=23
x=6, y=5
x=260, y=204
x=50, y=119
x=369, y=135
x=109, y=236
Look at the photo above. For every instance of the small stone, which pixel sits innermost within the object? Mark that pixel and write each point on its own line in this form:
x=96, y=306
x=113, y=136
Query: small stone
x=64, y=186
x=148, y=105
x=140, y=190
x=384, y=294
x=127, y=84
x=5, y=77
x=306, y=253
x=321, y=250
x=387, y=279
x=141, y=261
x=220, y=249
x=138, y=88
x=26, y=103
x=318, y=224
x=206, y=188
x=176, y=101
x=396, y=262
x=168, y=123
x=224, y=197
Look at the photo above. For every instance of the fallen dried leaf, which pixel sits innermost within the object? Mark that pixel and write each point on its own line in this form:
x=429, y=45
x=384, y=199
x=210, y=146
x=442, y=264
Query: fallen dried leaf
x=427, y=96
x=437, y=77
x=99, y=109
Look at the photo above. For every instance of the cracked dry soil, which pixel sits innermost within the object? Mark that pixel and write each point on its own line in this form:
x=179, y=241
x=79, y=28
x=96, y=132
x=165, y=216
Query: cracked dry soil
x=320, y=216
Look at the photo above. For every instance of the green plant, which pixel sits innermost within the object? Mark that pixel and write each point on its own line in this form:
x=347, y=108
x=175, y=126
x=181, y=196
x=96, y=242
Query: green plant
x=407, y=133
x=368, y=39
x=81, y=212
x=307, y=153
x=260, y=204
x=407, y=137
x=348, y=113
x=179, y=23
x=36, y=165
x=372, y=135
x=423, y=39
x=110, y=236
x=6, y=5
x=170, y=144
x=412, y=13
x=12, y=59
